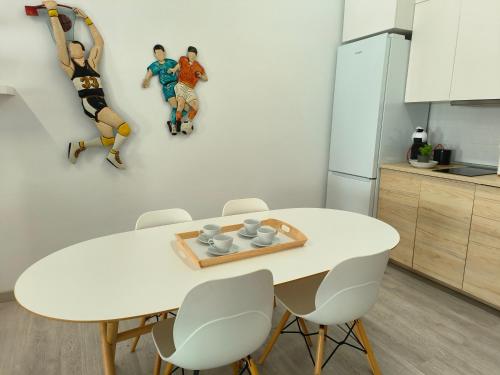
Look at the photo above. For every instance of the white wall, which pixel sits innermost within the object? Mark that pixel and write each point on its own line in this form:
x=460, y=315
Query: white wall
x=263, y=128
x=473, y=132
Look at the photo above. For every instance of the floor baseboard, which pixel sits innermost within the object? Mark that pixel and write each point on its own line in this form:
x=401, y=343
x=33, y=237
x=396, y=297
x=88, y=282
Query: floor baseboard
x=7, y=296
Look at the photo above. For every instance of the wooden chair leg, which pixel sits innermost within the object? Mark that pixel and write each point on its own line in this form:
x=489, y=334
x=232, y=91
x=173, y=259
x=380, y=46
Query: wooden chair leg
x=236, y=367
x=320, y=350
x=168, y=369
x=252, y=366
x=360, y=331
x=136, y=339
x=303, y=326
x=157, y=368
x=274, y=337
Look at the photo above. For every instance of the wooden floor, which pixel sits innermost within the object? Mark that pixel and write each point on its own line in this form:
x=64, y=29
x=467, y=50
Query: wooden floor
x=416, y=327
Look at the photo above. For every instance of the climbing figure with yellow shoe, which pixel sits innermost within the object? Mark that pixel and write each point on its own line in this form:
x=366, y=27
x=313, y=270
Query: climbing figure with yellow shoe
x=83, y=72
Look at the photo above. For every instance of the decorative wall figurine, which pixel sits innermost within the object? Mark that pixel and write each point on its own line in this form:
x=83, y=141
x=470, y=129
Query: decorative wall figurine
x=66, y=16
x=83, y=72
x=162, y=68
x=190, y=71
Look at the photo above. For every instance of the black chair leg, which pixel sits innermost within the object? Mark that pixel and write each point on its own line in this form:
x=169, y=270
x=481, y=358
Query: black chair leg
x=196, y=372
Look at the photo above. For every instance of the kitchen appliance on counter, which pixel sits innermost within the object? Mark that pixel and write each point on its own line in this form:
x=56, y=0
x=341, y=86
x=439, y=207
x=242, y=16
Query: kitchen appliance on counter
x=442, y=155
x=468, y=171
x=371, y=122
x=419, y=138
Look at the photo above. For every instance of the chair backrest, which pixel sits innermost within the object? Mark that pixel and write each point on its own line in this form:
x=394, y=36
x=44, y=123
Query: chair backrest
x=243, y=206
x=162, y=217
x=222, y=321
x=349, y=290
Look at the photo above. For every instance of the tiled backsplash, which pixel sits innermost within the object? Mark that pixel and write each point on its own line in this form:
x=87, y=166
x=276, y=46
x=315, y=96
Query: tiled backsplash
x=472, y=132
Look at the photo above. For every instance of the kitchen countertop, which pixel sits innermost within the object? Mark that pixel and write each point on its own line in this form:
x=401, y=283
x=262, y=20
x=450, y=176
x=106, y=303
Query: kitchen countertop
x=488, y=180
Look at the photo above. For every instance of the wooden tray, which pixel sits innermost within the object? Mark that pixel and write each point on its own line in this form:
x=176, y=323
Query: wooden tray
x=289, y=238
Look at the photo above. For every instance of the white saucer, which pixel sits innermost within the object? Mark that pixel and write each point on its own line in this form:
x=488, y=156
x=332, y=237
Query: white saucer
x=243, y=232
x=213, y=251
x=418, y=164
x=203, y=238
x=256, y=242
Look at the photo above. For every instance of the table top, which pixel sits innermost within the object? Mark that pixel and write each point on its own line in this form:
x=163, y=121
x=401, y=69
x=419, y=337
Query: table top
x=136, y=273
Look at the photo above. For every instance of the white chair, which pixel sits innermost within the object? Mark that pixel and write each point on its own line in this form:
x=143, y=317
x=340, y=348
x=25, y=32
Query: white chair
x=220, y=322
x=162, y=217
x=154, y=219
x=341, y=298
x=243, y=206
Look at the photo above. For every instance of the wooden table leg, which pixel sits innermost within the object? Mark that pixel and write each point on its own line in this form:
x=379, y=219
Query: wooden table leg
x=108, y=357
x=136, y=340
x=168, y=369
x=157, y=367
x=112, y=333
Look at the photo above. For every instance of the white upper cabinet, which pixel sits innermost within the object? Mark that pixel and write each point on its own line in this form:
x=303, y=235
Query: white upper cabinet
x=477, y=63
x=368, y=17
x=432, y=53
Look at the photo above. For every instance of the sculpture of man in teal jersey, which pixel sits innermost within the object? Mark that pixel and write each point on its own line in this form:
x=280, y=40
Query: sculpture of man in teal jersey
x=161, y=68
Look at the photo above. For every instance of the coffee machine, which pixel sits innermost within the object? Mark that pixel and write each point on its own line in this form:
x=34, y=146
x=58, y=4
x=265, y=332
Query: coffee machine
x=419, y=138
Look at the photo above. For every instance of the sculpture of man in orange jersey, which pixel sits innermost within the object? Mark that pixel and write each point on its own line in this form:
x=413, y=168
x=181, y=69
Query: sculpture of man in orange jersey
x=190, y=71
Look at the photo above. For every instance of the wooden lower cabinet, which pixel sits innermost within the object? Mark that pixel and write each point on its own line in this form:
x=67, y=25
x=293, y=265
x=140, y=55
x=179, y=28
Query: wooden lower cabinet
x=437, y=258
x=449, y=229
x=482, y=271
x=443, y=225
x=397, y=206
x=487, y=202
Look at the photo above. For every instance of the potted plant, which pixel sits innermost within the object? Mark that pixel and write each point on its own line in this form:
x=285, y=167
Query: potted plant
x=424, y=153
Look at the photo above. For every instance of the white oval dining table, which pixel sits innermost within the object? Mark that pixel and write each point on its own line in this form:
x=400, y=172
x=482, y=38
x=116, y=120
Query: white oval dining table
x=141, y=273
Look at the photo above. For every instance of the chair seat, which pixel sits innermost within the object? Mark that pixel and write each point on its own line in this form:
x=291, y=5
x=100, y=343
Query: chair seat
x=298, y=296
x=163, y=336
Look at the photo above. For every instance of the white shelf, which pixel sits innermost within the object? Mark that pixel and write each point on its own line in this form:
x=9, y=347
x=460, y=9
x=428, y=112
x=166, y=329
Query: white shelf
x=7, y=90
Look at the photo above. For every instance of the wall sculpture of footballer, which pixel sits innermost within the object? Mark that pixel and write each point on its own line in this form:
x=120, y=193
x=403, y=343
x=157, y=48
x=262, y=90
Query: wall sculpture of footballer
x=162, y=68
x=178, y=80
x=83, y=72
x=190, y=71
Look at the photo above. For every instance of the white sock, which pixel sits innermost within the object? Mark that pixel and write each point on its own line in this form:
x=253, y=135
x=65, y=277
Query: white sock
x=119, y=139
x=93, y=142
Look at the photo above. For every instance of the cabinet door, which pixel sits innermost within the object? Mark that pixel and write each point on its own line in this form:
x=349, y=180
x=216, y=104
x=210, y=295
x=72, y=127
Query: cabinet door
x=435, y=28
x=443, y=225
x=397, y=206
x=368, y=17
x=476, y=74
x=350, y=193
x=482, y=270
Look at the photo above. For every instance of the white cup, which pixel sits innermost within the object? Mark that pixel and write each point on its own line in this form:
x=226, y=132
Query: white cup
x=211, y=230
x=221, y=242
x=251, y=226
x=266, y=235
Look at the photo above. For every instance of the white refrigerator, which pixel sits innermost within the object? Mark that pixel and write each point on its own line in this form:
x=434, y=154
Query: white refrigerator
x=371, y=124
